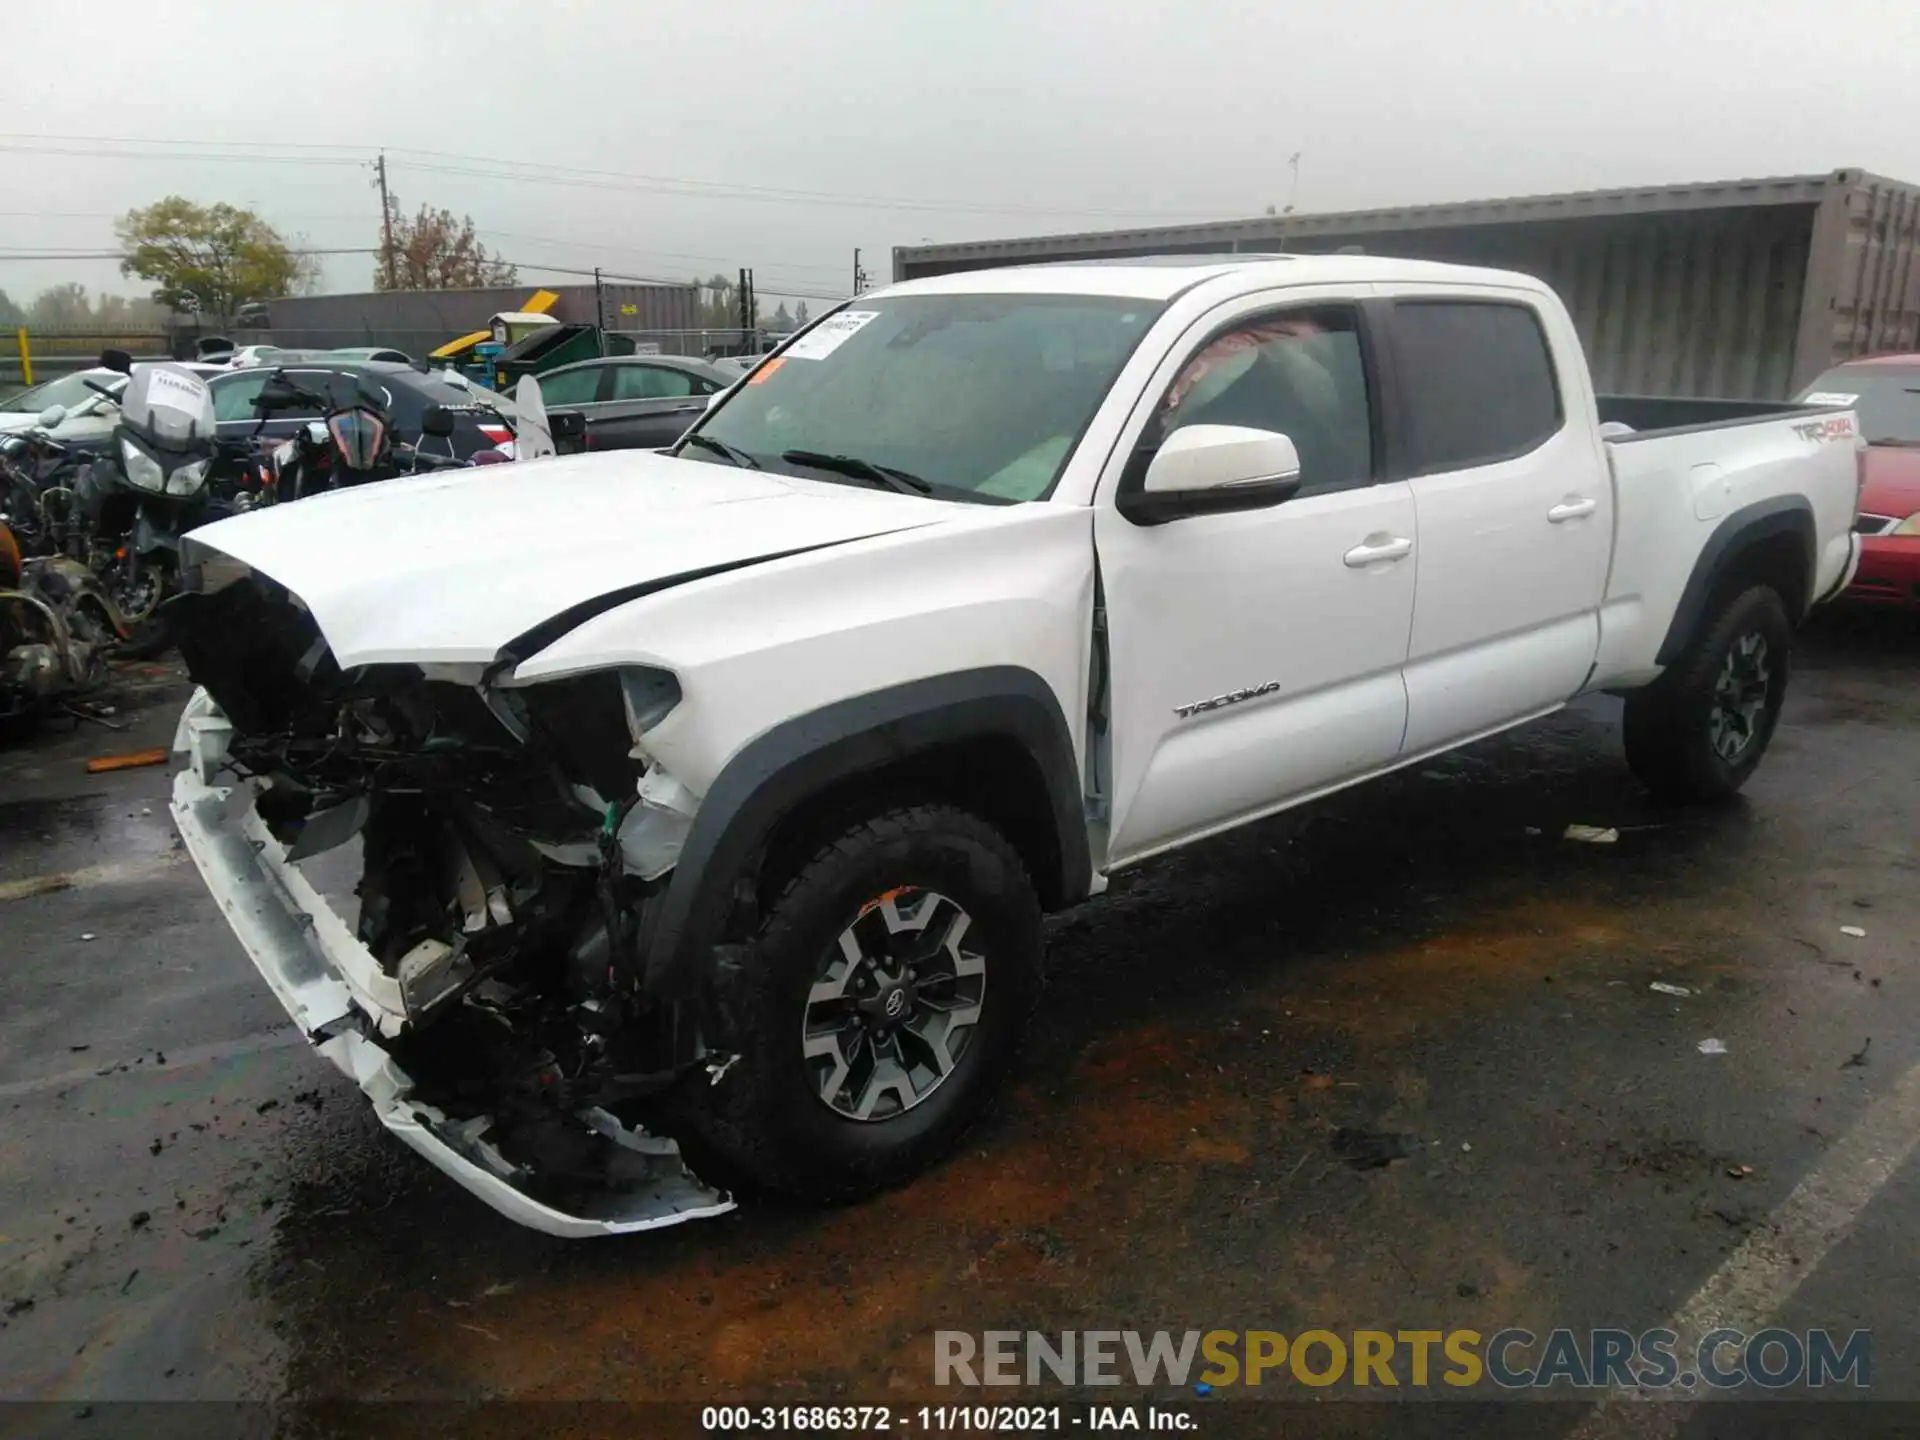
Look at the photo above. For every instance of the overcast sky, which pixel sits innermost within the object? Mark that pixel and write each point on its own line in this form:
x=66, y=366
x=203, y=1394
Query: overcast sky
x=905, y=120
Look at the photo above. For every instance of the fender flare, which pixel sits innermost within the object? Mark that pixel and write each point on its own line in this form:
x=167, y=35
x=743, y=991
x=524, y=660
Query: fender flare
x=801, y=757
x=1782, y=515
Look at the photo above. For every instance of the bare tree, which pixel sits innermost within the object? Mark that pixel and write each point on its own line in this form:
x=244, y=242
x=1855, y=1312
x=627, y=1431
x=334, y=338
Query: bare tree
x=434, y=251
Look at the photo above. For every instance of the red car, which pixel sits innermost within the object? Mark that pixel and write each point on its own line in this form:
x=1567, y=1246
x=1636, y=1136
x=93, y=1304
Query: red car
x=1885, y=392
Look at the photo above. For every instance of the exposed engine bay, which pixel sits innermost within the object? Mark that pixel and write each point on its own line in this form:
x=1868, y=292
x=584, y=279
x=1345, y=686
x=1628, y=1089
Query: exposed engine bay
x=512, y=842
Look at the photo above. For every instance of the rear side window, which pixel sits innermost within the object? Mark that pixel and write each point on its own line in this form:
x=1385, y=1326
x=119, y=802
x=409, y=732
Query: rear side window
x=572, y=387
x=650, y=382
x=1478, y=382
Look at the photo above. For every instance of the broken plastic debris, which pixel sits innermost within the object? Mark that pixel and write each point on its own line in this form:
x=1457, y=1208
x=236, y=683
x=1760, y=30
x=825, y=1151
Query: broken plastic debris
x=1740, y=1172
x=100, y=764
x=1591, y=834
x=1666, y=989
x=86, y=935
x=1712, y=1047
x=1853, y=930
x=1465, y=1146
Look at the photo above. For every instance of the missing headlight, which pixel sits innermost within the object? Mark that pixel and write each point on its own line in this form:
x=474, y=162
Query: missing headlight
x=649, y=696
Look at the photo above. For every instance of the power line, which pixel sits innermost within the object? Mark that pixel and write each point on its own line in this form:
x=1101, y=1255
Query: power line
x=493, y=167
x=158, y=155
x=123, y=255
x=634, y=250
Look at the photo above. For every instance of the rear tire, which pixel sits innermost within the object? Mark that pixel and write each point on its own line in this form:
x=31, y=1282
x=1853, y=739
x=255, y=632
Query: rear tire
x=1698, y=732
x=894, y=974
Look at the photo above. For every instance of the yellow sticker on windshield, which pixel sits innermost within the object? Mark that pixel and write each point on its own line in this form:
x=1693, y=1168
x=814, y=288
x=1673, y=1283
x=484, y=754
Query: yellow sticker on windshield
x=764, y=369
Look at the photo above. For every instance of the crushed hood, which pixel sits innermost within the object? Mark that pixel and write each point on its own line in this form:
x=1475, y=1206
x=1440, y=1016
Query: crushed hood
x=448, y=568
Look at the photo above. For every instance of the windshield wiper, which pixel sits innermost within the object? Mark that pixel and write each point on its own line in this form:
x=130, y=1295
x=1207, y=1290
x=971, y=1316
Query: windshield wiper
x=904, y=481
x=722, y=449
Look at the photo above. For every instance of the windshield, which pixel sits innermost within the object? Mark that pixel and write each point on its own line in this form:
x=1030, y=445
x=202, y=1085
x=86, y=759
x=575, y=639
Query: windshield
x=71, y=391
x=979, y=396
x=170, y=405
x=1887, y=400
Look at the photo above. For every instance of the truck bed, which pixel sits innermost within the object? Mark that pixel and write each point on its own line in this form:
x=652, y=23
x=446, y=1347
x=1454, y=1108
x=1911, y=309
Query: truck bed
x=1668, y=414
x=1692, y=469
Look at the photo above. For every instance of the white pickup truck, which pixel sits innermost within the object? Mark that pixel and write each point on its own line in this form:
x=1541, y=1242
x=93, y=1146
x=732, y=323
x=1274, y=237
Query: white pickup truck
x=705, y=804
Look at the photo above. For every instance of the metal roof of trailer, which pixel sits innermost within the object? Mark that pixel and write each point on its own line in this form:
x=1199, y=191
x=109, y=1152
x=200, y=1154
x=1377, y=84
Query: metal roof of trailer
x=1277, y=229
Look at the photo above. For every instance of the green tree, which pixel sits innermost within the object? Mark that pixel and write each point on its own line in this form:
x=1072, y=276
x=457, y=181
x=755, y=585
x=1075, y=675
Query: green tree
x=206, y=259
x=433, y=251
x=10, y=313
x=800, y=315
x=781, y=321
x=60, y=307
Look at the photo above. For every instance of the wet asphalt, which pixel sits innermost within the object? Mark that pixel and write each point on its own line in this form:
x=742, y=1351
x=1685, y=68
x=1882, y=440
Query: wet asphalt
x=193, y=1206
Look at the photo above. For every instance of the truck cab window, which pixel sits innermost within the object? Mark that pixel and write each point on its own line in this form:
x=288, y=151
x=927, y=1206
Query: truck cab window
x=1478, y=380
x=1298, y=372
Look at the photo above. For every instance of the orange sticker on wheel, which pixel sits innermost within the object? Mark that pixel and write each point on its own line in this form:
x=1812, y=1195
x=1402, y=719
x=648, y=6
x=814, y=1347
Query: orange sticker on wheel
x=765, y=370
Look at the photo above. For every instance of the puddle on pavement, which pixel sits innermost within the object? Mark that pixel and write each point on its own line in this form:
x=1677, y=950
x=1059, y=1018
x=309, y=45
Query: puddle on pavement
x=1164, y=1153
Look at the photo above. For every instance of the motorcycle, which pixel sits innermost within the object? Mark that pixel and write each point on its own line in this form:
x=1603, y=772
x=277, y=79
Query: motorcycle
x=36, y=487
x=353, y=446
x=138, y=504
x=57, y=626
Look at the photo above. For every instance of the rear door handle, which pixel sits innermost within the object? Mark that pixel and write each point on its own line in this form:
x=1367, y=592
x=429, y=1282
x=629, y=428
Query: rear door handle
x=1362, y=556
x=1572, y=510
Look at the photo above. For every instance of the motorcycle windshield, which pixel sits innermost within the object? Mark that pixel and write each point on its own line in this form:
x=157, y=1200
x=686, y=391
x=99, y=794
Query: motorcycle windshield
x=359, y=436
x=170, y=406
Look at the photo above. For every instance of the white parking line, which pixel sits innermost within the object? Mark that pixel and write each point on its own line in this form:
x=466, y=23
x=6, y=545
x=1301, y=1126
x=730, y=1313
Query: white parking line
x=1766, y=1268
x=277, y=1039
x=114, y=872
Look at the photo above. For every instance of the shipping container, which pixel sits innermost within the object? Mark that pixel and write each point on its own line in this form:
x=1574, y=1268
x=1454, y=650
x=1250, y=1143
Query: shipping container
x=1744, y=289
x=419, y=321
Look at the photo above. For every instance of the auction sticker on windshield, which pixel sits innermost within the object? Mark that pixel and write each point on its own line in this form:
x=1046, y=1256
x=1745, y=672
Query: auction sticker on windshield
x=176, y=392
x=1829, y=397
x=829, y=335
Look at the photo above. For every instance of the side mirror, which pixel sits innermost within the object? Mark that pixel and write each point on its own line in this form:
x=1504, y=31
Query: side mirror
x=717, y=396
x=117, y=360
x=567, y=425
x=1213, y=470
x=437, y=421
x=52, y=416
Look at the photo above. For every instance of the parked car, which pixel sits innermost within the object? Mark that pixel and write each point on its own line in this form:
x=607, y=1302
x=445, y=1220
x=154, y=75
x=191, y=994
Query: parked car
x=634, y=401
x=91, y=416
x=737, y=365
x=720, y=793
x=1885, y=391
x=480, y=422
x=248, y=356
x=377, y=353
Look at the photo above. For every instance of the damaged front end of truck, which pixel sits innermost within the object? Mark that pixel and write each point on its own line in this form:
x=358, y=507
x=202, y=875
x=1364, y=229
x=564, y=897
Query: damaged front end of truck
x=479, y=970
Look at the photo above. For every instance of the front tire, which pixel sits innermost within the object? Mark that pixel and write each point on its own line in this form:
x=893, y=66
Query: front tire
x=1698, y=732
x=886, y=996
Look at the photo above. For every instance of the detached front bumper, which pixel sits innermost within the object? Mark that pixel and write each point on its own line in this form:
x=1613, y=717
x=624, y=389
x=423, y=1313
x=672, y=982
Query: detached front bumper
x=335, y=991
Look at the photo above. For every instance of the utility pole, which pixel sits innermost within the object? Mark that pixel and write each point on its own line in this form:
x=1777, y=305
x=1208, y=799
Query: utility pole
x=386, y=218
x=599, y=312
x=859, y=275
x=749, y=308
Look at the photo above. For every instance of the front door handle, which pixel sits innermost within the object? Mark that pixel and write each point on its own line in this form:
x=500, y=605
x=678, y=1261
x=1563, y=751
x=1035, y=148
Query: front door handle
x=1572, y=510
x=1362, y=556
